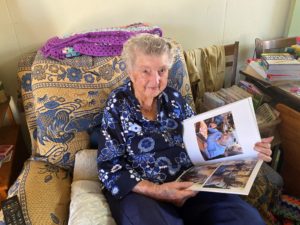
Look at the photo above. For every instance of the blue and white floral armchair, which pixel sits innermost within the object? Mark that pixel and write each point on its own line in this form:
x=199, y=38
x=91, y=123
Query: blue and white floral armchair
x=62, y=102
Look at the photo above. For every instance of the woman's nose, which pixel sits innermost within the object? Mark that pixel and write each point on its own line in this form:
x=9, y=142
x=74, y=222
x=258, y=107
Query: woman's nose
x=156, y=77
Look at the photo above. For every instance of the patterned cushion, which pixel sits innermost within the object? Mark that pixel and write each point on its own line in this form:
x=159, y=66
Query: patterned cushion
x=44, y=193
x=263, y=194
x=70, y=94
x=25, y=97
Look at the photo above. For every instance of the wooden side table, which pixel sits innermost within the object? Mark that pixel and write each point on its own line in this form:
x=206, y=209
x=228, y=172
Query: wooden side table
x=10, y=134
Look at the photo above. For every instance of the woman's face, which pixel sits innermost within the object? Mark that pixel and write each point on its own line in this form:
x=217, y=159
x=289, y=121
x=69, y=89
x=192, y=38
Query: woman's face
x=149, y=75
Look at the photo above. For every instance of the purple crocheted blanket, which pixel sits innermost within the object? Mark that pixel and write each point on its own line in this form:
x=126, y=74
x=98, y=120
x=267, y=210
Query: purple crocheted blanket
x=105, y=42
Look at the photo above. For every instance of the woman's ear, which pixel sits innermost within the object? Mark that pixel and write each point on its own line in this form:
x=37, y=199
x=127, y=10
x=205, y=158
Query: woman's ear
x=131, y=76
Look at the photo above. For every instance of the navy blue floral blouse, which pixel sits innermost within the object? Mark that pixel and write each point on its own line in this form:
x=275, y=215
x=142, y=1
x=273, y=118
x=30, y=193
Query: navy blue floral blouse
x=133, y=148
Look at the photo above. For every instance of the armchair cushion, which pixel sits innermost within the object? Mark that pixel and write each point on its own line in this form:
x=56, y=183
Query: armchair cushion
x=44, y=193
x=88, y=205
x=85, y=167
x=68, y=100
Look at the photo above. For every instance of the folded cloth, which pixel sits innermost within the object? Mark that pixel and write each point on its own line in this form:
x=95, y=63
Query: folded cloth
x=106, y=42
x=206, y=69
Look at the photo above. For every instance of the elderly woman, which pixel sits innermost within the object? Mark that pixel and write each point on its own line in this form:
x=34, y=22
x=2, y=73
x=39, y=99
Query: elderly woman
x=141, y=150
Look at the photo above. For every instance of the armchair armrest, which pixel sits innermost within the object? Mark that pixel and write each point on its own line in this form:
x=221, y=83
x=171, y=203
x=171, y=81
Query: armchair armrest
x=44, y=193
x=88, y=204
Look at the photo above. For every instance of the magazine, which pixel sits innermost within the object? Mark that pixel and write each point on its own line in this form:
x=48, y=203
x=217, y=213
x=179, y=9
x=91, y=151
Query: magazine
x=220, y=144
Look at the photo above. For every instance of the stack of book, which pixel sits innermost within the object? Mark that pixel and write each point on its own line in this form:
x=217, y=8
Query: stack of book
x=234, y=93
x=277, y=67
x=5, y=153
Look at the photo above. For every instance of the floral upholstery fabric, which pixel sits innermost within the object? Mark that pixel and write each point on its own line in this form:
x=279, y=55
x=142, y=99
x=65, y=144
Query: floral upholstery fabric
x=40, y=183
x=70, y=94
x=25, y=97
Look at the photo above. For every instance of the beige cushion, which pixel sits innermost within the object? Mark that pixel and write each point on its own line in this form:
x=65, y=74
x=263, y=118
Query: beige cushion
x=85, y=167
x=88, y=205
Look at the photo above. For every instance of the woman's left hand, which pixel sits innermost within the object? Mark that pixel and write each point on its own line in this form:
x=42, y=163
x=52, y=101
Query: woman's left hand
x=264, y=149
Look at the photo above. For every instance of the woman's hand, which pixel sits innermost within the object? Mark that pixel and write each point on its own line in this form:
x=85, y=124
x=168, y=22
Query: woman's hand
x=173, y=192
x=264, y=149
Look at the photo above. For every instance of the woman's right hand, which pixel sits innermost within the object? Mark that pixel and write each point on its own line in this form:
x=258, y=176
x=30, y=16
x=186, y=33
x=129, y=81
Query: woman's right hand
x=173, y=192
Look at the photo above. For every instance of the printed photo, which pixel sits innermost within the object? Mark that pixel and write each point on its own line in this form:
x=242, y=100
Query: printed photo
x=199, y=174
x=217, y=138
x=231, y=175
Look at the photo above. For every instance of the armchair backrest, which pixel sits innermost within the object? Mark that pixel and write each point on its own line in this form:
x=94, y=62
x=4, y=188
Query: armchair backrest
x=63, y=100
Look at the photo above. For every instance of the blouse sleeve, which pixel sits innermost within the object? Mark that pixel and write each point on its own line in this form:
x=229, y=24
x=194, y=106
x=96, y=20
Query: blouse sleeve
x=114, y=172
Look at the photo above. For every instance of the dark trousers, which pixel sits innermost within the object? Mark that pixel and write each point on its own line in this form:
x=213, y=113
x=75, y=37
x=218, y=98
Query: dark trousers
x=205, y=208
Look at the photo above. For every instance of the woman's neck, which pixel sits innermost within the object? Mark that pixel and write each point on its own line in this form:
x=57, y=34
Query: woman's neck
x=147, y=104
x=148, y=107
x=145, y=101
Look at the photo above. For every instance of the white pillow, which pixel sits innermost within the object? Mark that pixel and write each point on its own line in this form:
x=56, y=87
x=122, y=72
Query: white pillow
x=85, y=167
x=88, y=204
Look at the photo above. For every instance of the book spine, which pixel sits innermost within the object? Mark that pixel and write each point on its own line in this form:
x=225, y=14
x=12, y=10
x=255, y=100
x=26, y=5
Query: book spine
x=265, y=64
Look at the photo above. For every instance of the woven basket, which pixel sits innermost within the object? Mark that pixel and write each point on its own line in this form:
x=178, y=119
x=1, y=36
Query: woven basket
x=267, y=119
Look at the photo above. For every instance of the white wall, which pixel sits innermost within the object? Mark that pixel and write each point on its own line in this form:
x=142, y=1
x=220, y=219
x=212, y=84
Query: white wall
x=26, y=24
x=294, y=28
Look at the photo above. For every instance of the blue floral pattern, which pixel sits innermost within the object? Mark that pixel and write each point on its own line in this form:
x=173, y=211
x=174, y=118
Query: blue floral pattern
x=112, y=150
x=133, y=148
x=146, y=144
x=26, y=82
x=89, y=78
x=74, y=74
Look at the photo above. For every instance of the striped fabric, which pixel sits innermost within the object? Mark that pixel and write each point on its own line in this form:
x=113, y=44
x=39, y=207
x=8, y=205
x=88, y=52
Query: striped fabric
x=287, y=210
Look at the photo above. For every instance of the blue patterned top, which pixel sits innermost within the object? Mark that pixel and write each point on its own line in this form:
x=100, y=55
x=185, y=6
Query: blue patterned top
x=133, y=148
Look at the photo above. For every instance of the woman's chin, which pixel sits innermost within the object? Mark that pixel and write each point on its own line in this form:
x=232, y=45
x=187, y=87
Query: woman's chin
x=152, y=93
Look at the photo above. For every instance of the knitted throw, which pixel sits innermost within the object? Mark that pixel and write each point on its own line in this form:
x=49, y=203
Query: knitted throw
x=105, y=42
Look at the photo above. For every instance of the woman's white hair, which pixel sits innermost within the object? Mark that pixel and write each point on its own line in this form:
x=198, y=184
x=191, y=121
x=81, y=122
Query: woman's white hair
x=147, y=44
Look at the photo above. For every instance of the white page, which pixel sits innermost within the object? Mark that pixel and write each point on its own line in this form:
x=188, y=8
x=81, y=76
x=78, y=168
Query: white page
x=245, y=132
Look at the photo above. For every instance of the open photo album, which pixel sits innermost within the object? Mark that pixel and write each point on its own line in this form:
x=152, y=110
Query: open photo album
x=220, y=144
